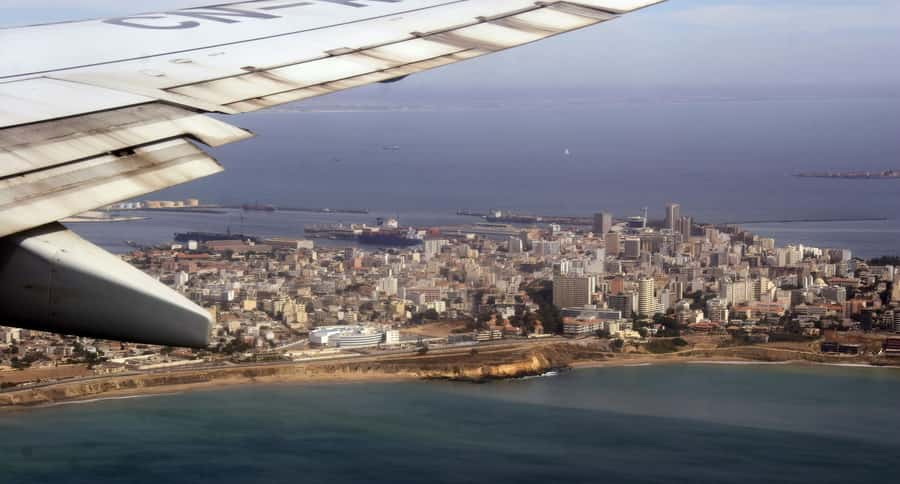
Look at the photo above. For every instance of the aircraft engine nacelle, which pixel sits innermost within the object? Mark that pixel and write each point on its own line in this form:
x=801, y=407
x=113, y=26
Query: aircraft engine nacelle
x=53, y=280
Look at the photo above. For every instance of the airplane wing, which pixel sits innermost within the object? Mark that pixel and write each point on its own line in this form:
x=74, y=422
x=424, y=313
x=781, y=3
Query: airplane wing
x=100, y=111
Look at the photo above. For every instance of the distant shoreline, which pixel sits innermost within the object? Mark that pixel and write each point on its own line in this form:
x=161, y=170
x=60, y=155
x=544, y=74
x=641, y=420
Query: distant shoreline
x=812, y=220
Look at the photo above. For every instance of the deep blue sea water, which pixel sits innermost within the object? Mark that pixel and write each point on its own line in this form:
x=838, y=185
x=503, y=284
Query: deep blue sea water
x=722, y=159
x=661, y=424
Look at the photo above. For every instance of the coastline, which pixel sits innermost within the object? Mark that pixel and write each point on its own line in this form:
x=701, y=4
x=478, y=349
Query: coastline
x=498, y=364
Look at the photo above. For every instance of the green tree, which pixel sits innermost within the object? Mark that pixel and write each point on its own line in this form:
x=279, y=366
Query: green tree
x=542, y=295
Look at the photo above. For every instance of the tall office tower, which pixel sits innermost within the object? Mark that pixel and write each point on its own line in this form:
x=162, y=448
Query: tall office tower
x=736, y=292
x=677, y=288
x=646, y=299
x=622, y=302
x=685, y=227
x=613, y=245
x=632, y=248
x=602, y=223
x=673, y=214
x=573, y=291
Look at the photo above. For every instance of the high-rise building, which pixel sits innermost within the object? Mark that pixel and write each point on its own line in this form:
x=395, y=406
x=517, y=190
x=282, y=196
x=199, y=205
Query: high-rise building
x=632, y=248
x=685, y=227
x=613, y=245
x=388, y=285
x=602, y=223
x=736, y=292
x=623, y=302
x=717, y=310
x=837, y=294
x=572, y=290
x=515, y=245
x=546, y=247
x=761, y=288
x=677, y=288
x=673, y=215
x=433, y=247
x=646, y=297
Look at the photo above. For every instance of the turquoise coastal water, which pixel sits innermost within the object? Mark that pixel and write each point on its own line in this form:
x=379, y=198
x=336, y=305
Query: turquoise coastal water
x=686, y=423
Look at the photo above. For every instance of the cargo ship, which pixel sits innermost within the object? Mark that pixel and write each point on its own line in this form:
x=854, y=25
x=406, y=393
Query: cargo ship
x=332, y=231
x=257, y=208
x=386, y=233
x=201, y=237
x=390, y=237
x=852, y=175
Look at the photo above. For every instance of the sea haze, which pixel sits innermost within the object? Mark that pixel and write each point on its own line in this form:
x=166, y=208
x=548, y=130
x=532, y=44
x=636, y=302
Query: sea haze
x=680, y=423
x=727, y=155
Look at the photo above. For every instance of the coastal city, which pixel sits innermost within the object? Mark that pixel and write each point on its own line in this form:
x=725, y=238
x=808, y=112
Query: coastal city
x=406, y=241
x=630, y=285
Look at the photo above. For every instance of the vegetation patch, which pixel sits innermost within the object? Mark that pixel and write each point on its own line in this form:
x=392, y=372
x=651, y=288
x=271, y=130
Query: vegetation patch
x=660, y=346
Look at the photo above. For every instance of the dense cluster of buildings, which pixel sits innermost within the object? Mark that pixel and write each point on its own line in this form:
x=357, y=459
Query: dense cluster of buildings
x=717, y=278
x=622, y=277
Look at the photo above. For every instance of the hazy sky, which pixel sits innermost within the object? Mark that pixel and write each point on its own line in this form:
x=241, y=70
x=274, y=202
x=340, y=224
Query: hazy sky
x=681, y=43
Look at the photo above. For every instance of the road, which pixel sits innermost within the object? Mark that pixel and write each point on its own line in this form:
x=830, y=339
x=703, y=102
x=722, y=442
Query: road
x=378, y=355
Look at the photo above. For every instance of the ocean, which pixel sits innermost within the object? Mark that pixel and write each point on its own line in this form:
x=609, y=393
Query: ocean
x=726, y=157
x=651, y=424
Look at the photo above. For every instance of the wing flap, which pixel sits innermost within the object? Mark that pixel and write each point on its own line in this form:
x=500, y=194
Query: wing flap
x=34, y=147
x=45, y=196
x=343, y=84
